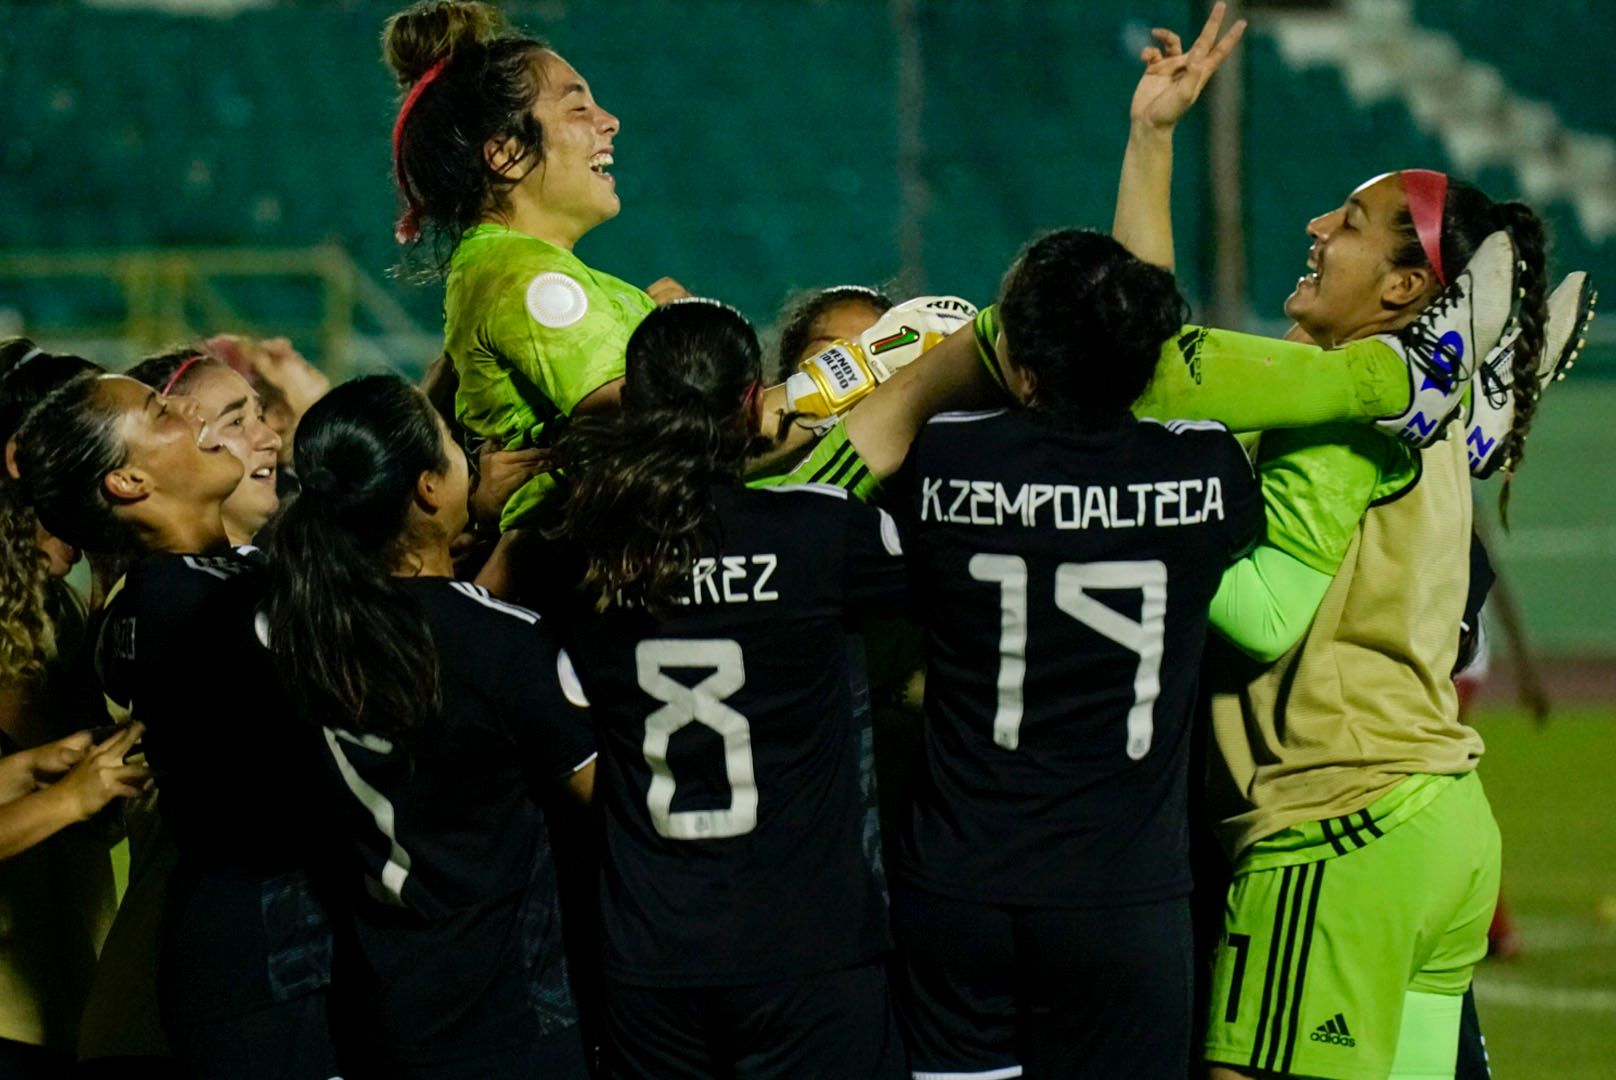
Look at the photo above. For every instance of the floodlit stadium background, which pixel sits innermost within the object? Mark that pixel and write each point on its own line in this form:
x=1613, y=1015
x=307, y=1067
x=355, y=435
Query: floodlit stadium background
x=174, y=167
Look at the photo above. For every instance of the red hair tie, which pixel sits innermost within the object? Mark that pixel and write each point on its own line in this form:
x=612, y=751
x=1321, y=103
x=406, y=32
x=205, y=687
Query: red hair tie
x=179, y=372
x=409, y=227
x=1426, y=193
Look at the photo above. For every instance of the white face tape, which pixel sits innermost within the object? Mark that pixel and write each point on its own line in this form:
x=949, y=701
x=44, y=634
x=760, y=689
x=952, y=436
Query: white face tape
x=556, y=300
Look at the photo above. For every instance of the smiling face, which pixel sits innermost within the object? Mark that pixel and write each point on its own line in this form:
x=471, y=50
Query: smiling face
x=1353, y=289
x=168, y=447
x=573, y=183
x=234, y=414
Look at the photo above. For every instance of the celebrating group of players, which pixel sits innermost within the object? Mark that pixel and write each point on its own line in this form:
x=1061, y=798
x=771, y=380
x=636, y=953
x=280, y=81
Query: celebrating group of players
x=564, y=769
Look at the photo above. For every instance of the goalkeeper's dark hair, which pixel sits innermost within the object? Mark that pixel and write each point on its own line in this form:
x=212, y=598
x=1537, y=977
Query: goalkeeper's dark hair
x=637, y=484
x=352, y=649
x=485, y=90
x=1468, y=217
x=803, y=309
x=1088, y=319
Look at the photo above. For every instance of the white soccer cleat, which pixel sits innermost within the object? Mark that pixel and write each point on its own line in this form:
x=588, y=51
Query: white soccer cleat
x=1443, y=346
x=1492, y=392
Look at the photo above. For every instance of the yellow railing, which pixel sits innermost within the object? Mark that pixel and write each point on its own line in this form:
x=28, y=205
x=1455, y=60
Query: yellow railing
x=174, y=294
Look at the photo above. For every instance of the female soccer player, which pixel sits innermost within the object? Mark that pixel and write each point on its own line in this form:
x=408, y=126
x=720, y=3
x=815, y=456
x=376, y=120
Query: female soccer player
x=112, y=465
x=423, y=689
x=744, y=930
x=1344, y=766
x=502, y=152
x=233, y=412
x=60, y=891
x=1064, y=554
x=823, y=317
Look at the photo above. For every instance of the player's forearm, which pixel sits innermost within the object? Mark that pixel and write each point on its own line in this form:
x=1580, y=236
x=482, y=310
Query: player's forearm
x=1255, y=383
x=950, y=376
x=1266, y=601
x=16, y=775
x=33, y=818
x=1144, y=220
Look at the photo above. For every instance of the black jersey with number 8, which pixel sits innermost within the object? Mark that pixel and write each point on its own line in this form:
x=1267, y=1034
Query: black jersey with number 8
x=1063, y=580
x=729, y=755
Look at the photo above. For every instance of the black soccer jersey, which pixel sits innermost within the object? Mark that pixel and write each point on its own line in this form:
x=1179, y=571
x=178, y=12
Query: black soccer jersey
x=729, y=764
x=450, y=892
x=176, y=648
x=1064, y=581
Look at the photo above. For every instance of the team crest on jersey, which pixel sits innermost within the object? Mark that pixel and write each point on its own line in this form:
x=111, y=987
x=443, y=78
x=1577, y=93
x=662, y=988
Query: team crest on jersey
x=556, y=300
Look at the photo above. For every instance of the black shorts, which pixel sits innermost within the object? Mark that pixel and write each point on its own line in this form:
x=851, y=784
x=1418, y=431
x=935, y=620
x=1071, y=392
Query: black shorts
x=836, y=1025
x=288, y=1041
x=987, y=992
x=559, y=1055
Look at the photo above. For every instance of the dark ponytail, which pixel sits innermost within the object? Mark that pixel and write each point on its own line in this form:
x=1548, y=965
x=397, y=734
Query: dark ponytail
x=636, y=484
x=66, y=447
x=1468, y=217
x=1088, y=319
x=353, y=651
x=27, y=629
x=484, y=90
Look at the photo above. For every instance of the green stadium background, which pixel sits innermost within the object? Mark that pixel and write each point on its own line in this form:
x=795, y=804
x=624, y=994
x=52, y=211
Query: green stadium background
x=767, y=146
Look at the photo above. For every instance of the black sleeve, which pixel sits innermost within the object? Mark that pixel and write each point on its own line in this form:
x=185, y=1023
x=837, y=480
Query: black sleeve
x=872, y=561
x=550, y=732
x=153, y=621
x=1242, y=496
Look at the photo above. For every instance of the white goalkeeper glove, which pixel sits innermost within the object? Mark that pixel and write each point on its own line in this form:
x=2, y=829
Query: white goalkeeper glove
x=829, y=383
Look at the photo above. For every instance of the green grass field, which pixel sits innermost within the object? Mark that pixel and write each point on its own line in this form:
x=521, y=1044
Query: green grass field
x=1550, y=1013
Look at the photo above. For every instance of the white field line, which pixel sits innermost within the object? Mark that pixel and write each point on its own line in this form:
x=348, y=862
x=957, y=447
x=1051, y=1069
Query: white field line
x=1546, y=934
x=1492, y=991
x=1551, y=542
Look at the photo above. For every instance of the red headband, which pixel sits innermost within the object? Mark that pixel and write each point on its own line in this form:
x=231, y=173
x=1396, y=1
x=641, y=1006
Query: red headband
x=1426, y=193
x=408, y=227
x=179, y=372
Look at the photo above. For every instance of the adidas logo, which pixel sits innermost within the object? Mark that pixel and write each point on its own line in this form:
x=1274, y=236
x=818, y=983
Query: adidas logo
x=1334, y=1031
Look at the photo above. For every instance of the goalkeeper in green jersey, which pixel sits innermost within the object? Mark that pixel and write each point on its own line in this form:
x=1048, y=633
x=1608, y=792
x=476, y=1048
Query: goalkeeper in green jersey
x=501, y=150
x=1343, y=784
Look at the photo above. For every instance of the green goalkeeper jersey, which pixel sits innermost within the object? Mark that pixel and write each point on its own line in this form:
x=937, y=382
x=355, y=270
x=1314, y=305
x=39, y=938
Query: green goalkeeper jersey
x=531, y=332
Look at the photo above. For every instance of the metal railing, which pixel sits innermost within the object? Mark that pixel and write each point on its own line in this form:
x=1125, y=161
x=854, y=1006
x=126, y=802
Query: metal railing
x=177, y=294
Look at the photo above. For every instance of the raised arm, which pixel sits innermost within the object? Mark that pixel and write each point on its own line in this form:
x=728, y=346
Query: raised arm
x=1172, y=82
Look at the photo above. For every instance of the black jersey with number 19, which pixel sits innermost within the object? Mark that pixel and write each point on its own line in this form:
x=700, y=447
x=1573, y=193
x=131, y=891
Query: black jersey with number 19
x=729, y=754
x=1064, y=580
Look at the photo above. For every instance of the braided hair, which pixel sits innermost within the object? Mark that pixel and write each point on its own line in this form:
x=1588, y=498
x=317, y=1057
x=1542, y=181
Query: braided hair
x=1468, y=217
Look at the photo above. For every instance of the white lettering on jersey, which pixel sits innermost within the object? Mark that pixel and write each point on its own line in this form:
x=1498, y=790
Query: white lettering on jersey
x=396, y=868
x=556, y=300
x=730, y=579
x=1165, y=503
